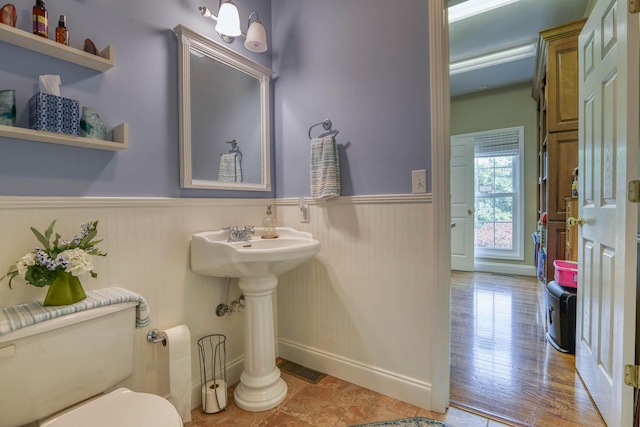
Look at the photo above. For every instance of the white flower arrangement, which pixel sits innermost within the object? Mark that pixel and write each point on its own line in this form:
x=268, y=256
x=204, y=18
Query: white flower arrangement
x=41, y=266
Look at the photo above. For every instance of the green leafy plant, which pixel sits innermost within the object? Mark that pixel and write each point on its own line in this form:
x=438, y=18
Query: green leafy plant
x=41, y=266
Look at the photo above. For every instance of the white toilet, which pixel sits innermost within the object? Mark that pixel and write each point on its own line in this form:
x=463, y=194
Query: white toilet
x=49, y=367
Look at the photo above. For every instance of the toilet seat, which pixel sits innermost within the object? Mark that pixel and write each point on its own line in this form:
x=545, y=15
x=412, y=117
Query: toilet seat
x=122, y=408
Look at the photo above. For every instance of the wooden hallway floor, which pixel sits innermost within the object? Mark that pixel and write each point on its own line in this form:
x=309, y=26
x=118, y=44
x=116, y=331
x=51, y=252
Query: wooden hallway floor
x=501, y=363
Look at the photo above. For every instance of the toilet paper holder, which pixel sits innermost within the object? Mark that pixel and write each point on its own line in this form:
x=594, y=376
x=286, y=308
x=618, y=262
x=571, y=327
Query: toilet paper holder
x=154, y=337
x=213, y=373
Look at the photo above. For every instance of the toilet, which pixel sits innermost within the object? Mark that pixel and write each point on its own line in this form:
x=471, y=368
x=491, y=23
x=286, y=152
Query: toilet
x=121, y=407
x=64, y=372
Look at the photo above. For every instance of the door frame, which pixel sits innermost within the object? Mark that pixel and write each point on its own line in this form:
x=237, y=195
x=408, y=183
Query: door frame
x=439, y=98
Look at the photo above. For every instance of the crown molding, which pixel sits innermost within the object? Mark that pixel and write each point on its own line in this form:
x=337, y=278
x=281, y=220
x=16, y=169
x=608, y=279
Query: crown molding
x=494, y=58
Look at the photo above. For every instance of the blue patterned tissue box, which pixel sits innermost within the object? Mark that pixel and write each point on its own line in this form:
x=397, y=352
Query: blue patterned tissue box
x=54, y=114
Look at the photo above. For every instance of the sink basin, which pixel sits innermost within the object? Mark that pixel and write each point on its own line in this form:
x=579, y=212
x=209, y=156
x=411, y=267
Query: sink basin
x=256, y=263
x=212, y=255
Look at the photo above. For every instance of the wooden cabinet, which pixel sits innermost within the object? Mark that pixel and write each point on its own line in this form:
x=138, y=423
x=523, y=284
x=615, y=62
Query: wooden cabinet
x=562, y=158
x=555, y=89
x=562, y=84
x=571, y=237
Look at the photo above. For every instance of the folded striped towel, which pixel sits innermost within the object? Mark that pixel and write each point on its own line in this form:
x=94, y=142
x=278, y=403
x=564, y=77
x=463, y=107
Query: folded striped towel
x=230, y=169
x=325, y=168
x=20, y=316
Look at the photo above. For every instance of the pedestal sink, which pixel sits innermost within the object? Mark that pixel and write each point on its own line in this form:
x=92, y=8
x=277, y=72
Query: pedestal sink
x=256, y=263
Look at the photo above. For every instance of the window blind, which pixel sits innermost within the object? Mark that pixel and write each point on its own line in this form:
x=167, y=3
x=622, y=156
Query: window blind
x=497, y=143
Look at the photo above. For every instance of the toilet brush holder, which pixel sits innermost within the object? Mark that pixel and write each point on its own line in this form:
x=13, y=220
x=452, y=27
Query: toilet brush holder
x=213, y=373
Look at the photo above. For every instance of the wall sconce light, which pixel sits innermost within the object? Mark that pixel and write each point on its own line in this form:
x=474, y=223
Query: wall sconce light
x=256, y=35
x=228, y=26
x=228, y=20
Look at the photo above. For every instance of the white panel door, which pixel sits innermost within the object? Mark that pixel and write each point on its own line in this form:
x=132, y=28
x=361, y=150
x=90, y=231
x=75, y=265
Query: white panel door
x=608, y=158
x=462, y=203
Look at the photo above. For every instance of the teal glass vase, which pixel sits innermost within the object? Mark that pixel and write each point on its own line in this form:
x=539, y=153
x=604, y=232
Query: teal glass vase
x=8, y=107
x=91, y=126
x=66, y=289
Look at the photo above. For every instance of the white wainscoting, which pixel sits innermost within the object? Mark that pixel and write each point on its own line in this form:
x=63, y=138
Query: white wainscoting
x=361, y=310
x=147, y=241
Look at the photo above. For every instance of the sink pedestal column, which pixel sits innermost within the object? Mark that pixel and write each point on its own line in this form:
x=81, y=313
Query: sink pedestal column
x=261, y=387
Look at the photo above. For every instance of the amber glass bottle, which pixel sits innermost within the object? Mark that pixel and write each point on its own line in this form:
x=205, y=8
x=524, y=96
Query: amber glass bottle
x=62, y=34
x=40, y=19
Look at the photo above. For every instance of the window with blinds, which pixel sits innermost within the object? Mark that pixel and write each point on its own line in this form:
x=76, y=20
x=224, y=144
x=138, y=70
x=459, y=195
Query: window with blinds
x=498, y=217
x=504, y=142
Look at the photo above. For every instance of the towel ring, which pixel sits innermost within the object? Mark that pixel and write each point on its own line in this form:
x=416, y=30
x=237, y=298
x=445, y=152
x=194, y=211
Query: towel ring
x=234, y=148
x=326, y=124
x=234, y=145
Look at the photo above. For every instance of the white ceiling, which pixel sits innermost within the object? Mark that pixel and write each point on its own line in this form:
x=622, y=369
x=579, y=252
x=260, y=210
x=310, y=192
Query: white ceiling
x=510, y=26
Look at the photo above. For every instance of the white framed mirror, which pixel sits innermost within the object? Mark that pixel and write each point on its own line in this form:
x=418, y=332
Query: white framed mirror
x=224, y=116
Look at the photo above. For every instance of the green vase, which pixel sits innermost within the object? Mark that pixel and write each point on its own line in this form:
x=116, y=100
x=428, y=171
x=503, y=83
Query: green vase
x=65, y=290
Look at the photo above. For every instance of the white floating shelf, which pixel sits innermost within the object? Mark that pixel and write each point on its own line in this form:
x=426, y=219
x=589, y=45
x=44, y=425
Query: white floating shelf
x=120, y=137
x=45, y=46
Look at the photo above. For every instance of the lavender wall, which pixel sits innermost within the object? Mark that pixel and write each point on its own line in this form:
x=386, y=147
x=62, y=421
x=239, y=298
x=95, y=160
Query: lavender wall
x=363, y=64
x=141, y=90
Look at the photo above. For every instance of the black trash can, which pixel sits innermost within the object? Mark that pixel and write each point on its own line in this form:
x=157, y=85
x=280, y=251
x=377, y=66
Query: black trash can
x=561, y=317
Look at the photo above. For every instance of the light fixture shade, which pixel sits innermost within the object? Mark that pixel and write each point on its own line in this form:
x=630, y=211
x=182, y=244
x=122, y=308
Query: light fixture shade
x=471, y=8
x=256, y=37
x=228, y=20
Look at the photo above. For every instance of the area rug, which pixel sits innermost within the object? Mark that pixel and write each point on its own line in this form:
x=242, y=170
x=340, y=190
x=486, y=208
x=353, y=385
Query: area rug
x=407, y=422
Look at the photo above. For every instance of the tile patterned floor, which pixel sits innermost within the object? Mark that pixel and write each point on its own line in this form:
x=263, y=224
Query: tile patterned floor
x=330, y=403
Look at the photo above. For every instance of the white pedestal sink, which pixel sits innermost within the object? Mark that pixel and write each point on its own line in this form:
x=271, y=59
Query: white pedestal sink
x=256, y=263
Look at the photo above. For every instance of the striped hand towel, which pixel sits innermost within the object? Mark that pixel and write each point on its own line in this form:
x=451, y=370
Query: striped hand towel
x=230, y=168
x=325, y=168
x=20, y=316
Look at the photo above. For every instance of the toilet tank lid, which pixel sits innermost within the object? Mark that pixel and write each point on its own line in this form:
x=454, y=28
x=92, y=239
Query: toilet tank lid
x=122, y=408
x=21, y=316
x=62, y=321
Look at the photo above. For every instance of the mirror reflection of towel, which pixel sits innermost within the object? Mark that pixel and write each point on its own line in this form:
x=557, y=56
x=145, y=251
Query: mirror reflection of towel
x=325, y=168
x=230, y=168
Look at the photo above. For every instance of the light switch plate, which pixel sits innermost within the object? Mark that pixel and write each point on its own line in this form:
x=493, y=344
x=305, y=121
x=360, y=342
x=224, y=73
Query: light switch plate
x=419, y=181
x=304, y=210
x=304, y=214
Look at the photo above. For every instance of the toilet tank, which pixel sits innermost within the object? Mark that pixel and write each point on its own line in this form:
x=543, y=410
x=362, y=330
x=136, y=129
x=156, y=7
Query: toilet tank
x=57, y=363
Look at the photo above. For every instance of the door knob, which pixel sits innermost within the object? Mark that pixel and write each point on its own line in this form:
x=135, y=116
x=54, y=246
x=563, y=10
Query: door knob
x=571, y=221
x=470, y=211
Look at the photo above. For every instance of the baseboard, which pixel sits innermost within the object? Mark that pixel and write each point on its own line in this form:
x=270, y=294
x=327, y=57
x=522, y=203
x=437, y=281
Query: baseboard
x=504, y=268
x=234, y=369
x=382, y=381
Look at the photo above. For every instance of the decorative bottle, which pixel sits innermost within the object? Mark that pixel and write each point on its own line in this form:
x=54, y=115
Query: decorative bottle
x=269, y=224
x=62, y=34
x=40, y=19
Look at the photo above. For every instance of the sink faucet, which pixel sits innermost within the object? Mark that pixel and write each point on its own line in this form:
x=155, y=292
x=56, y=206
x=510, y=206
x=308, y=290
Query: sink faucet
x=238, y=235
